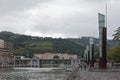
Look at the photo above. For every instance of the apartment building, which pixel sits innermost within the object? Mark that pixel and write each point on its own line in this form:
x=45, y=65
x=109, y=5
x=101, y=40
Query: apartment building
x=6, y=55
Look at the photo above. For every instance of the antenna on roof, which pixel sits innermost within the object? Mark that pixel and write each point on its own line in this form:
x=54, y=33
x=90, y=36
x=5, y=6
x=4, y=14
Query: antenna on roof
x=106, y=12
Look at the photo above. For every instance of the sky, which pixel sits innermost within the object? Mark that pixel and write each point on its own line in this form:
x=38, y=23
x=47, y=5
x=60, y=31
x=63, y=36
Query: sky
x=58, y=18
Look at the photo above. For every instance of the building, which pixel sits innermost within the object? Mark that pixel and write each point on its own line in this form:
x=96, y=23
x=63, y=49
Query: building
x=6, y=55
x=55, y=55
x=47, y=60
x=19, y=57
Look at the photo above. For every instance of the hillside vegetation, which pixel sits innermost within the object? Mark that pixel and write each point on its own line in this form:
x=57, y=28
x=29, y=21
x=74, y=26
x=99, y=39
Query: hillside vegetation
x=27, y=45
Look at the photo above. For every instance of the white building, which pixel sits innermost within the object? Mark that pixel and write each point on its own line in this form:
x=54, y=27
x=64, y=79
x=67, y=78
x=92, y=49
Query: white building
x=55, y=55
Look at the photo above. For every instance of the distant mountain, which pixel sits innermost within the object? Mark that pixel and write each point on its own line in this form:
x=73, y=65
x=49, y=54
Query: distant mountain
x=84, y=41
x=14, y=38
x=28, y=45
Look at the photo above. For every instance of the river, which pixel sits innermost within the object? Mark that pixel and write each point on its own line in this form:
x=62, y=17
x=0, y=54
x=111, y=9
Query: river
x=19, y=73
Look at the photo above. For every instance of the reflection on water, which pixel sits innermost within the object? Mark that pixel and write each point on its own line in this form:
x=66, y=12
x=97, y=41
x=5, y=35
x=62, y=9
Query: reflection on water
x=31, y=74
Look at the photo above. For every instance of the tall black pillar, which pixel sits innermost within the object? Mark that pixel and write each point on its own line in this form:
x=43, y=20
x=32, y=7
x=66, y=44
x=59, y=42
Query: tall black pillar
x=103, y=60
x=92, y=61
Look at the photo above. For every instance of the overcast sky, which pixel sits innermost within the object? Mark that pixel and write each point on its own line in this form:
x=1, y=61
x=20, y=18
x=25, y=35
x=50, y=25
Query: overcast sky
x=57, y=18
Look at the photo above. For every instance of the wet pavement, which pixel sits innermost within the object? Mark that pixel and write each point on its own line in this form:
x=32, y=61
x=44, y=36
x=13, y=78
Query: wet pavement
x=110, y=74
x=95, y=74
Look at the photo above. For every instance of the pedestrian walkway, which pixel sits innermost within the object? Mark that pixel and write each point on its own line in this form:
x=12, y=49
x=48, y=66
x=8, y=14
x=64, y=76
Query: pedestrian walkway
x=99, y=75
x=95, y=74
x=74, y=75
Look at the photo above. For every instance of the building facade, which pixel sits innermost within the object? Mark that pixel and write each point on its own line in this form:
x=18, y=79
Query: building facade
x=6, y=55
x=55, y=55
x=47, y=60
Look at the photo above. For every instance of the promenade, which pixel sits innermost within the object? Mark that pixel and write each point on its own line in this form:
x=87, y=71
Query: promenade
x=99, y=75
x=109, y=74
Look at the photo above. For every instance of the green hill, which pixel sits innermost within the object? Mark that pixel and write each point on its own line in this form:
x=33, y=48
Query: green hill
x=28, y=45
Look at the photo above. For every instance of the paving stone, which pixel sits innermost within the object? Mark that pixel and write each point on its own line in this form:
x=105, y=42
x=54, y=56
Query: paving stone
x=99, y=75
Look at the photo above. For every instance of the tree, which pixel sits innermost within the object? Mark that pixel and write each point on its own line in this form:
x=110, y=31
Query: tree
x=56, y=57
x=114, y=53
x=20, y=51
x=117, y=35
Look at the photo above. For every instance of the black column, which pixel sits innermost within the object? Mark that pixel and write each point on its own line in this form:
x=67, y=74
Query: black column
x=88, y=57
x=92, y=61
x=103, y=60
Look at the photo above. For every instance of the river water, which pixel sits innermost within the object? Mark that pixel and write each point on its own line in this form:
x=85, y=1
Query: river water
x=31, y=74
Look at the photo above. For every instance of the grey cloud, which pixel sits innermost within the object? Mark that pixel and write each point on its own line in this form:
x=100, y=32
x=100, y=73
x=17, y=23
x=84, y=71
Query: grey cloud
x=8, y=6
x=74, y=17
x=76, y=24
x=97, y=0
